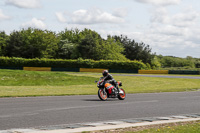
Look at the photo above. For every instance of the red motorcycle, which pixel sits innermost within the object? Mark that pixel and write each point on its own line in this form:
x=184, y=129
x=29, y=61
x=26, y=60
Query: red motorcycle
x=107, y=90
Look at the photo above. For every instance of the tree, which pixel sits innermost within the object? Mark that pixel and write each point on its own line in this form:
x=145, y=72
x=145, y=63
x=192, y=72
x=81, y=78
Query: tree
x=92, y=46
x=32, y=43
x=72, y=36
x=14, y=47
x=155, y=63
x=134, y=50
x=3, y=42
x=67, y=50
x=170, y=61
x=111, y=50
x=67, y=46
x=89, y=44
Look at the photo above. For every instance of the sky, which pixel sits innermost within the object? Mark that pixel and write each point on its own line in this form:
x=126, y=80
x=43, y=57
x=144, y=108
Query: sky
x=169, y=27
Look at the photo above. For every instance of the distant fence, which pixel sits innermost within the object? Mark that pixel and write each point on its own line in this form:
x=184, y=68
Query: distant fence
x=99, y=70
x=184, y=72
x=37, y=68
x=153, y=72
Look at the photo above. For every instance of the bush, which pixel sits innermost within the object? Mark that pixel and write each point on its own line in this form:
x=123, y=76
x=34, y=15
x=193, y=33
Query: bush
x=79, y=63
x=119, y=64
x=176, y=62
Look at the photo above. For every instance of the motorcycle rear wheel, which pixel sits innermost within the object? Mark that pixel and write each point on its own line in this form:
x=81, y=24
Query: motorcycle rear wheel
x=122, y=96
x=102, y=95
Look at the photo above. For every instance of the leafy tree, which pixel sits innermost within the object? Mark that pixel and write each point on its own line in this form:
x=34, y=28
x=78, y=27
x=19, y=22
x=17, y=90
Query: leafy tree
x=155, y=63
x=170, y=61
x=72, y=36
x=67, y=50
x=15, y=43
x=92, y=46
x=134, y=50
x=49, y=40
x=3, y=42
x=89, y=44
x=67, y=46
x=111, y=50
x=32, y=43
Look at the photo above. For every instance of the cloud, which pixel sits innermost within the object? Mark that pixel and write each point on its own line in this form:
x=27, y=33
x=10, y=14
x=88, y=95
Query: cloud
x=61, y=17
x=3, y=16
x=34, y=23
x=120, y=12
x=24, y=3
x=182, y=24
x=92, y=16
x=167, y=33
x=160, y=2
x=186, y=18
x=176, y=33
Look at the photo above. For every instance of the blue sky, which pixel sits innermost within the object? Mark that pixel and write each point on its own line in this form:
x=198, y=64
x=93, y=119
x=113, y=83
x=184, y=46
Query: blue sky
x=170, y=27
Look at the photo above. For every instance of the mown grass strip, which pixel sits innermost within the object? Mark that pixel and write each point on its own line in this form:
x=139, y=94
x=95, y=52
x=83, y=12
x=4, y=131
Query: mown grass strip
x=32, y=91
x=186, y=127
x=180, y=127
x=135, y=84
x=17, y=83
x=37, y=78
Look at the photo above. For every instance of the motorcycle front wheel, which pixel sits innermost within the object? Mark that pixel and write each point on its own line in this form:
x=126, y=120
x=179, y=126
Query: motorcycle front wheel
x=102, y=95
x=122, y=95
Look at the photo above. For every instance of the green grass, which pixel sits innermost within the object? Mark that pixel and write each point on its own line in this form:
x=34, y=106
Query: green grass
x=152, y=84
x=35, y=78
x=16, y=83
x=135, y=84
x=180, y=128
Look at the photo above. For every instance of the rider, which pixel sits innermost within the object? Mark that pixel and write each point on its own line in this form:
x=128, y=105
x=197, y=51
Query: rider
x=108, y=77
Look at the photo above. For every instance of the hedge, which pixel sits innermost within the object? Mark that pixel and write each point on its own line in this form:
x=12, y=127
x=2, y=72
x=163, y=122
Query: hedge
x=184, y=72
x=79, y=63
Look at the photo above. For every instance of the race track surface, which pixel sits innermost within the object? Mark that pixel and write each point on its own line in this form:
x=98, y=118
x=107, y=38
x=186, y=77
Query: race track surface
x=46, y=111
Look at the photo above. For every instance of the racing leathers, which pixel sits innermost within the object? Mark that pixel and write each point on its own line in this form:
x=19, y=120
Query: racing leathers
x=109, y=78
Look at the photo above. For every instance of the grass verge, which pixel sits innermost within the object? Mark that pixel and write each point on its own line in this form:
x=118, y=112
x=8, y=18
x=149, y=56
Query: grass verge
x=182, y=127
x=17, y=83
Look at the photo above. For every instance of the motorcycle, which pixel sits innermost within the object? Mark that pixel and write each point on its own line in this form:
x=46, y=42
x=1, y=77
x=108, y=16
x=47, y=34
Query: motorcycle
x=107, y=90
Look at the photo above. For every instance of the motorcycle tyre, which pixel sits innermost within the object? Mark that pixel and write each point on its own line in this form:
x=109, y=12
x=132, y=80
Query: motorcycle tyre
x=100, y=91
x=120, y=96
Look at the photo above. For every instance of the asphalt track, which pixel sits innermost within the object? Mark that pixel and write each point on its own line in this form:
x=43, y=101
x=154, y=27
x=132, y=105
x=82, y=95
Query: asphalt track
x=35, y=112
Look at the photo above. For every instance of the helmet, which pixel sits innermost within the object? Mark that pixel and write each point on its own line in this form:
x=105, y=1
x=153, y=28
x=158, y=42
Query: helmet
x=105, y=73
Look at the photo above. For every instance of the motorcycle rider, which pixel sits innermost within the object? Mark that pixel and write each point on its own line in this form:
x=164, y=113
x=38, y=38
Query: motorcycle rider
x=109, y=78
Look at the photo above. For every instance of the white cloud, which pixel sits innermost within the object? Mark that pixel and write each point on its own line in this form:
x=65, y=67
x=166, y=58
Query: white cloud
x=120, y=12
x=34, y=23
x=169, y=33
x=61, y=17
x=185, y=18
x=174, y=32
x=160, y=2
x=3, y=16
x=24, y=3
x=92, y=16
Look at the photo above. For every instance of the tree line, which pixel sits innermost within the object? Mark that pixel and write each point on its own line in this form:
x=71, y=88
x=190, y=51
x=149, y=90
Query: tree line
x=85, y=44
x=71, y=44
